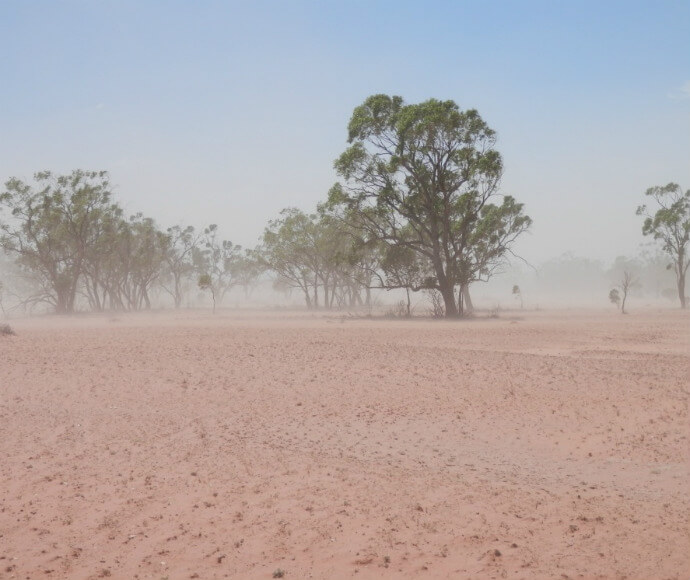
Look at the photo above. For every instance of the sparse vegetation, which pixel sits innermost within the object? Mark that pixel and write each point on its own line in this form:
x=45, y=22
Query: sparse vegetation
x=437, y=309
x=628, y=281
x=6, y=330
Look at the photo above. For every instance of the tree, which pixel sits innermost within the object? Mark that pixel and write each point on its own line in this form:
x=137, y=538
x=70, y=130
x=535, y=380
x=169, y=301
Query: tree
x=518, y=294
x=51, y=227
x=147, y=249
x=104, y=267
x=670, y=224
x=291, y=249
x=351, y=258
x=179, y=263
x=124, y=263
x=246, y=269
x=423, y=177
x=216, y=259
x=205, y=282
x=627, y=282
x=615, y=297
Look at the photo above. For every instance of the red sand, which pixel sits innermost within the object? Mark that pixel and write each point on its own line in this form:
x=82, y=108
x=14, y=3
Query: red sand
x=191, y=446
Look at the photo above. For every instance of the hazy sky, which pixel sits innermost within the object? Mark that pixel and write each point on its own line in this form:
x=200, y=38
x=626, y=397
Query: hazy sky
x=227, y=112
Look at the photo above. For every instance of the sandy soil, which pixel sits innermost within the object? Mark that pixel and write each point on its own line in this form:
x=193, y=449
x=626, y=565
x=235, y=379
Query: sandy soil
x=547, y=445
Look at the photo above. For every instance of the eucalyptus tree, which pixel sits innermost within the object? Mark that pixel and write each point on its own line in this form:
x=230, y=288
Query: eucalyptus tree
x=179, y=262
x=347, y=260
x=423, y=177
x=316, y=254
x=627, y=282
x=247, y=269
x=670, y=224
x=216, y=259
x=126, y=263
x=50, y=225
x=148, y=247
x=291, y=249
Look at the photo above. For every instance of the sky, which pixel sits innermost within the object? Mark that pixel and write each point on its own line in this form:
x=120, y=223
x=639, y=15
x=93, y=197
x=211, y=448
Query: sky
x=227, y=112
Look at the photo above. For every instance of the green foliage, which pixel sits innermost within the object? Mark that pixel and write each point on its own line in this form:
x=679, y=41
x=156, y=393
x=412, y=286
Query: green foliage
x=319, y=255
x=52, y=226
x=246, y=270
x=217, y=258
x=670, y=224
x=423, y=177
x=72, y=240
x=180, y=246
x=292, y=249
x=205, y=282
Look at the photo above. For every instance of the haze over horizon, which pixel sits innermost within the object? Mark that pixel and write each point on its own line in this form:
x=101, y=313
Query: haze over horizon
x=224, y=112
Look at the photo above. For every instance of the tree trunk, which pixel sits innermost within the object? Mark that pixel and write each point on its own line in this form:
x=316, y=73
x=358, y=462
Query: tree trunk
x=468, y=307
x=449, y=300
x=307, y=298
x=681, y=291
x=178, y=291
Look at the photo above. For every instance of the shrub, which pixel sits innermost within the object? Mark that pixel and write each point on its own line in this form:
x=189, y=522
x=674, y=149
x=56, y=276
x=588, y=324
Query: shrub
x=6, y=330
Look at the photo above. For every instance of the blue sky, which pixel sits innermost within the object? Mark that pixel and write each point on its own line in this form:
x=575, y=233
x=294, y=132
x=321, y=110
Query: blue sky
x=227, y=112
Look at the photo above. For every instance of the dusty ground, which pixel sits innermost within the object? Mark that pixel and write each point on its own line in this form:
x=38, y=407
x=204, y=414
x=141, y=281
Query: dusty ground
x=186, y=446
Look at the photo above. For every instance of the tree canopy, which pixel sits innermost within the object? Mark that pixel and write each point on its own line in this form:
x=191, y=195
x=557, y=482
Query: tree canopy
x=424, y=177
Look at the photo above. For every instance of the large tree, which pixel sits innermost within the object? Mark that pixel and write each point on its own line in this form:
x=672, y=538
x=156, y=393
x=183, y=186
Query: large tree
x=423, y=177
x=670, y=224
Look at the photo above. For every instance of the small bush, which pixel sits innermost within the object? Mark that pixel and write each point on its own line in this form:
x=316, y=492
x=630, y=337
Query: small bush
x=6, y=330
x=279, y=573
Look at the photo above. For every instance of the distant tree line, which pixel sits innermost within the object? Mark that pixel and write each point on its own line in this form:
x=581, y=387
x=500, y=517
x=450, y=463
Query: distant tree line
x=414, y=210
x=73, y=243
x=418, y=207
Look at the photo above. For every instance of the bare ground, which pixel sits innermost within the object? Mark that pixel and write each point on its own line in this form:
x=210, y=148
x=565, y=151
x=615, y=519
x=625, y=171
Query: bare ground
x=189, y=446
